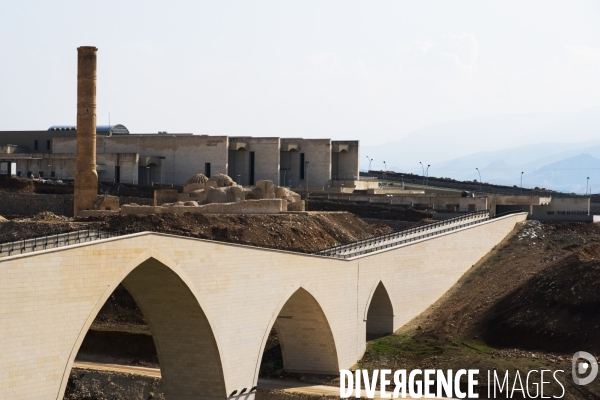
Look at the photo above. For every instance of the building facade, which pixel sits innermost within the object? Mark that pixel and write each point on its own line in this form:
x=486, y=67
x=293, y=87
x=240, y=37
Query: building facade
x=166, y=158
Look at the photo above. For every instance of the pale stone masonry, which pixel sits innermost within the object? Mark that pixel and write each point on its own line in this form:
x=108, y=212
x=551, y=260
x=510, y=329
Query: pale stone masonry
x=211, y=305
x=163, y=159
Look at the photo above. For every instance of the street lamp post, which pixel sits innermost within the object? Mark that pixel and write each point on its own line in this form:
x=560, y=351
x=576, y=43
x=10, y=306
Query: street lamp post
x=586, y=185
x=384, y=170
x=521, y=182
x=479, y=178
x=370, y=159
x=423, y=168
x=427, y=175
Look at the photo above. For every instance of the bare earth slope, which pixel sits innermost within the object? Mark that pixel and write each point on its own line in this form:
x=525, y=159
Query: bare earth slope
x=528, y=305
x=294, y=232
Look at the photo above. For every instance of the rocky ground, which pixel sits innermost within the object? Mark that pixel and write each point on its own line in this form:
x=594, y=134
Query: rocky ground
x=86, y=384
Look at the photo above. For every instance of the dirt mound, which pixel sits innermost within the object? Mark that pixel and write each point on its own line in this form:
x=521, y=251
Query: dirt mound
x=121, y=312
x=15, y=229
x=366, y=210
x=514, y=266
x=556, y=311
x=294, y=232
x=49, y=216
x=528, y=305
x=17, y=185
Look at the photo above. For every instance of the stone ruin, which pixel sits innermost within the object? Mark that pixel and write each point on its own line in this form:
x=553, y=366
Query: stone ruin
x=221, y=189
x=216, y=195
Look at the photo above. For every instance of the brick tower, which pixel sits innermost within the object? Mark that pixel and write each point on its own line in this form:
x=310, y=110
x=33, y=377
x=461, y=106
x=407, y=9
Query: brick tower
x=86, y=177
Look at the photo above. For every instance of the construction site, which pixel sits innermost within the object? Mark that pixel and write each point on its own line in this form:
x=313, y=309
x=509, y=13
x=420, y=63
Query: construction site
x=448, y=278
x=527, y=304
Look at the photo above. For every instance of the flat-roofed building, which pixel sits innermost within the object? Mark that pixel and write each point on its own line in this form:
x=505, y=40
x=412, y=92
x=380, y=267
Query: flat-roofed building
x=166, y=158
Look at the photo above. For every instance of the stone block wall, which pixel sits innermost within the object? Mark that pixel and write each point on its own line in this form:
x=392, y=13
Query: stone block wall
x=263, y=206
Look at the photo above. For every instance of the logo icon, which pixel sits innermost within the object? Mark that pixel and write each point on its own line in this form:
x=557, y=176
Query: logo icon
x=584, y=363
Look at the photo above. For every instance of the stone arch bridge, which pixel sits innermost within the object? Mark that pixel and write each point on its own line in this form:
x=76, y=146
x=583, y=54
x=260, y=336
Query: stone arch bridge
x=211, y=305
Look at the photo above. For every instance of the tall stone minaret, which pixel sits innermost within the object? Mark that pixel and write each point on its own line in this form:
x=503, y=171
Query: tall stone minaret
x=86, y=177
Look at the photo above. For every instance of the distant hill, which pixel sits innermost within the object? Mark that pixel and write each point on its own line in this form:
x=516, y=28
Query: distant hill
x=569, y=174
x=548, y=148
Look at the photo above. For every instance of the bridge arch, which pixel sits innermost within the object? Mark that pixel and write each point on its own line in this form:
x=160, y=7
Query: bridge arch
x=379, y=312
x=186, y=346
x=305, y=336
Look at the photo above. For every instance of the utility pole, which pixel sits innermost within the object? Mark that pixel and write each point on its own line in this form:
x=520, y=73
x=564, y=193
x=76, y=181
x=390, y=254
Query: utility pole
x=423, y=168
x=479, y=178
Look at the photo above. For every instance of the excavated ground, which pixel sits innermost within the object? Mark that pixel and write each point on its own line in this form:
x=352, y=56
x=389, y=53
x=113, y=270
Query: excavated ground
x=295, y=232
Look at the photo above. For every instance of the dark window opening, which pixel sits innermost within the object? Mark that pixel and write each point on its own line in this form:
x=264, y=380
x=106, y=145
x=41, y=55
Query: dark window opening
x=41, y=174
x=29, y=174
x=117, y=174
x=207, y=169
x=35, y=144
x=251, y=168
x=19, y=174
x=52, y=174
x=301, y=165
x=47, y=145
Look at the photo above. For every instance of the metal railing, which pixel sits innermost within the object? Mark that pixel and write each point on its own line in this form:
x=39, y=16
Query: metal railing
x=66, y=238
x=405, y=236
x=57, y=240
x=344, y=251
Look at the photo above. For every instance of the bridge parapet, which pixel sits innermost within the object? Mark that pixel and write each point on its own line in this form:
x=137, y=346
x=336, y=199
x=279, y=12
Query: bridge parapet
x=55, y=241
x=406, y=236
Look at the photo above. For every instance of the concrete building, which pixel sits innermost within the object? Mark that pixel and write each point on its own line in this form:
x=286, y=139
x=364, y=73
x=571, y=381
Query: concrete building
x=164, y=158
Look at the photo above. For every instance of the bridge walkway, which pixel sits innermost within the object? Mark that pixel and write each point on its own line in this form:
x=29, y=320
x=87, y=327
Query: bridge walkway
x=395, y=239
x=345, y=251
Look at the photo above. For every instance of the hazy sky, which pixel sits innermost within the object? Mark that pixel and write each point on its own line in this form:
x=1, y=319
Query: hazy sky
x=372, y=71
